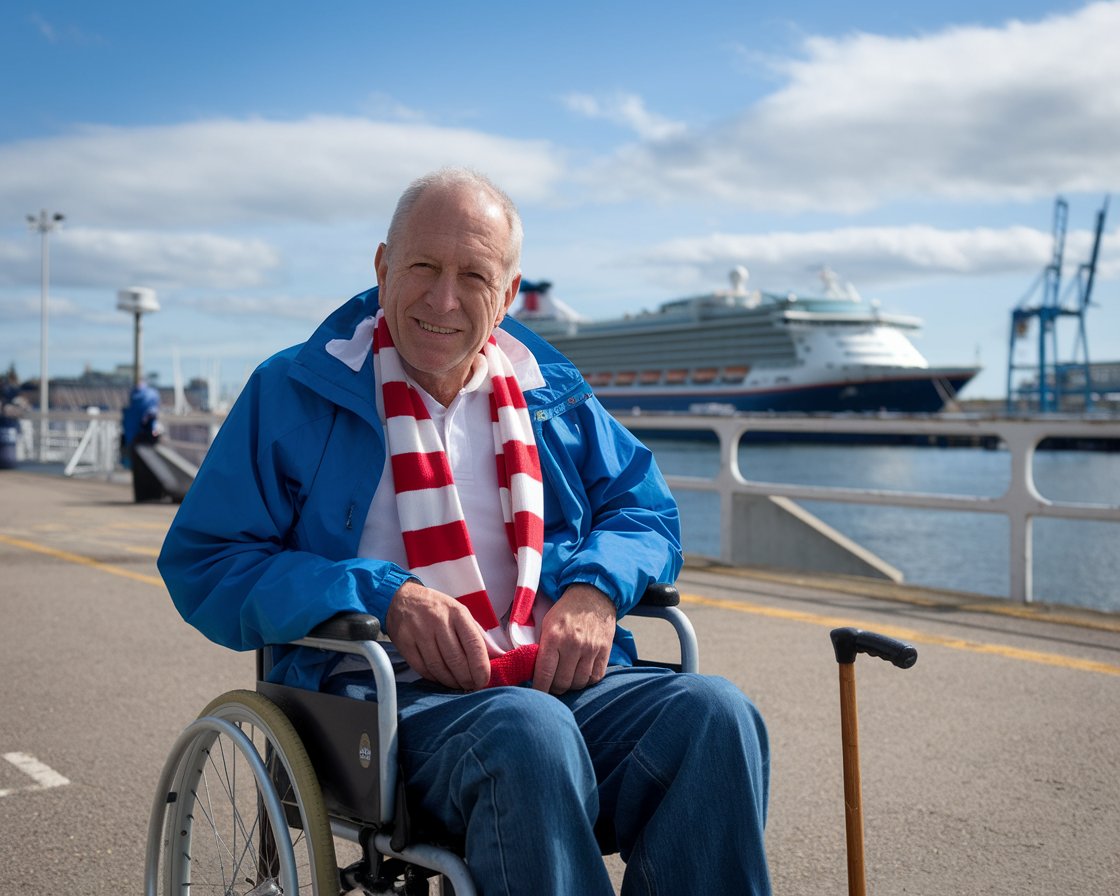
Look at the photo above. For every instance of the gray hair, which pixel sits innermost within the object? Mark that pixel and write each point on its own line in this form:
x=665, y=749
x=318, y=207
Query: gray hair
x=462, y=177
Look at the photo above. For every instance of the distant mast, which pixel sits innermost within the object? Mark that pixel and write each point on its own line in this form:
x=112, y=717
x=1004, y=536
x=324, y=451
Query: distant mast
x=739, y=277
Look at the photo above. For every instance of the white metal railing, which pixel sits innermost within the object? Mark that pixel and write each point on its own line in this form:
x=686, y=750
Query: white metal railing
x=88, y=443
x=97, y=451
x=1021, y=503
x=54, y=437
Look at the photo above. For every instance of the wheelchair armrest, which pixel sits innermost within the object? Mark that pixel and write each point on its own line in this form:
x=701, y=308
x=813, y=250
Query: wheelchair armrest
x=353, y=627
x=660, y=594
x=348, y=627
x=661, y=601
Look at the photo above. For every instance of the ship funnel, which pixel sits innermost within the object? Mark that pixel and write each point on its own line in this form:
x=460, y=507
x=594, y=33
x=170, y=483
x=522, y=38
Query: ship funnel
x=739, y=277
x=537, y=303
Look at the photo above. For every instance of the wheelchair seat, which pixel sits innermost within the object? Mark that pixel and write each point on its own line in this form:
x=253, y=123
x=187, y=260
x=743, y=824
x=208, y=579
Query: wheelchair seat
x=260, y=791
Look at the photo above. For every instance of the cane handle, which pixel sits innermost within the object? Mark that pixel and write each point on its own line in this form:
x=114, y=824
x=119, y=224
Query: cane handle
x=848, y=642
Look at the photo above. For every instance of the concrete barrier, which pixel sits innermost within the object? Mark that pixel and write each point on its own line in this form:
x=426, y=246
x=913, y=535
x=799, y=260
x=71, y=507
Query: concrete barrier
x=772, y=531
x=158, y=470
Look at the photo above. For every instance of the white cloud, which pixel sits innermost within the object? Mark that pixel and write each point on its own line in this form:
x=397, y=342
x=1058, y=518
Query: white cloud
x=626, y=110
x=26, y=307
x=379, y=105
x=64, y=34
x=321, y=169
x=309, y=309
x=966, y=114
x=867, y=255
x=91, y=257
x=45, y=28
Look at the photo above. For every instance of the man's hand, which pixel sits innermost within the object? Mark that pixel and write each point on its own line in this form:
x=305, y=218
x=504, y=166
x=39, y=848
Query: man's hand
x=576, y=638
x=438, y=637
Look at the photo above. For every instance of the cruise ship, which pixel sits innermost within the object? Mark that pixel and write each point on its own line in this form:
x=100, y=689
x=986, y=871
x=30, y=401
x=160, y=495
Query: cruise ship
x=742, y=349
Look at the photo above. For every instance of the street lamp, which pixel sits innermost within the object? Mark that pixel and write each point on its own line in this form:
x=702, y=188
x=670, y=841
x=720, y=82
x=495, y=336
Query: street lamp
x=45, y=223
x=137, y=301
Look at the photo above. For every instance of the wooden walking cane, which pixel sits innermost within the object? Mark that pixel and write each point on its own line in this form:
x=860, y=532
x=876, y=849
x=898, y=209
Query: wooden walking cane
x=848, y=642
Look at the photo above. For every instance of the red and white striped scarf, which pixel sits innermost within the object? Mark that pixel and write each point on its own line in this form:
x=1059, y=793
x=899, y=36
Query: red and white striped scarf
x=436, y=541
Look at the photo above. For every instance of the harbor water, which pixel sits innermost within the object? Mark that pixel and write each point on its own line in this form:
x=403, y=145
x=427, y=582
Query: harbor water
x=1076, y=562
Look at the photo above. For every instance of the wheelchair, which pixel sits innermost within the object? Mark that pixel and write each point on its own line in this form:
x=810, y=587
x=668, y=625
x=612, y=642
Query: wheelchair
x=265, y=791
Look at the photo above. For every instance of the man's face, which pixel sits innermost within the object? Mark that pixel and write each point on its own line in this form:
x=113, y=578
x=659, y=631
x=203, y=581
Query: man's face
x=445, y=285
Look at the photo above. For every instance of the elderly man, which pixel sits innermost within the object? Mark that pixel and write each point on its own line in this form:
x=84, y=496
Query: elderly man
x=425, y=459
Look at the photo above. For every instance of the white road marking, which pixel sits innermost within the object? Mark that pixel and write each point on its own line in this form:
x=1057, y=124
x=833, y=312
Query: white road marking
x=43, y=775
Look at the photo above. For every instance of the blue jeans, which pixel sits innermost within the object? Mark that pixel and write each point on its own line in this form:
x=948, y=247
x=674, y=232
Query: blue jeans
x=670, y=769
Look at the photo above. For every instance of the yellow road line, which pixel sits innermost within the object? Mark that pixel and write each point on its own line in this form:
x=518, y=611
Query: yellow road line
x=80, y=560
x=911, y=635
x=921, y=597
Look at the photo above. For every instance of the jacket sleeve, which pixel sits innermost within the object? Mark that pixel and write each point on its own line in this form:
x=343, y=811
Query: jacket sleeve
x=614, y=523
x=232, y=559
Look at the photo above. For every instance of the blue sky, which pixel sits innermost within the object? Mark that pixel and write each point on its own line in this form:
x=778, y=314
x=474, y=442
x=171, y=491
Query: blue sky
x=242, y=159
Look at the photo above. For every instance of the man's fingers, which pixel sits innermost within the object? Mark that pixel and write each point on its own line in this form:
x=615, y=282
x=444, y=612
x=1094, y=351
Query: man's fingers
x=600, y=669
x=570, y=669
x=473, y=648
x=434, y=667
x=545, y=669
x=441, y=657
x=585, y=671
x=464, y=656
x=425, y=659
x=576, y=640
x=438, y=637
x=588, y=669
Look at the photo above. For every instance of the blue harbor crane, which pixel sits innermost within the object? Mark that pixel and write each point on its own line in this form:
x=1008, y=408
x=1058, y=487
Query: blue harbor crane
x=1053, y=378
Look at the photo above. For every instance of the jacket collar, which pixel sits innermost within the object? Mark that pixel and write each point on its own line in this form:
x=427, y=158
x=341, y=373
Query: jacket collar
x=354, y=351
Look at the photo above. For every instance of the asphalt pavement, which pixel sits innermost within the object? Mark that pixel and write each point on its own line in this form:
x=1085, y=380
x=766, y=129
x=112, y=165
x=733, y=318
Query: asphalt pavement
x=992, y=766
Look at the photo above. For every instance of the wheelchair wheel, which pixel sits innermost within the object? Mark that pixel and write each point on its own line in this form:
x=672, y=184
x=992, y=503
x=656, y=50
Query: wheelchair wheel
x=239, y=811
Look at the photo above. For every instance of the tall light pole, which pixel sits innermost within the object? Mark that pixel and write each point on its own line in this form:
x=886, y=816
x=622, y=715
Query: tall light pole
x=45, y=223
x=137, y=301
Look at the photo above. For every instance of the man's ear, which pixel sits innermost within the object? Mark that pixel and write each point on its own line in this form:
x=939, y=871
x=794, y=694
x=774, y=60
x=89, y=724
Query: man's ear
x=381, y=264
x=507, y=301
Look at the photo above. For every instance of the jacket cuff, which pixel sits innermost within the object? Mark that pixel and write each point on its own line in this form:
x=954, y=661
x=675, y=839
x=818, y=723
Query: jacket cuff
x=609, y=587
x=377, y=604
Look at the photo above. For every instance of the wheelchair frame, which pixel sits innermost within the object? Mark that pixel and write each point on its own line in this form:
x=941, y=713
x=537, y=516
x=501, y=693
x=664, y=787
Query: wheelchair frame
x=307, y=780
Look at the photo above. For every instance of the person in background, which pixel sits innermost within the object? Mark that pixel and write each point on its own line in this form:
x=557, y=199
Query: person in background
x=140, y=426
x=10, y=400
x=425, y=459
x=10, y=392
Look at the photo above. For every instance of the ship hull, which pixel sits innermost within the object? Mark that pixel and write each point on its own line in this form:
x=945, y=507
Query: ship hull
x=914, y=392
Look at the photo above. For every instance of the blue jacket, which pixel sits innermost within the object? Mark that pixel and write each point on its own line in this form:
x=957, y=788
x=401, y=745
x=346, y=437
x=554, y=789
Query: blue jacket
x=141, y=414
x=264, y=546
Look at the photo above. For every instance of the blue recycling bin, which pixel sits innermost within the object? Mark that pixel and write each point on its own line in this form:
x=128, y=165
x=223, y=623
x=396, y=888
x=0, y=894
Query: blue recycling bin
x=9, y=436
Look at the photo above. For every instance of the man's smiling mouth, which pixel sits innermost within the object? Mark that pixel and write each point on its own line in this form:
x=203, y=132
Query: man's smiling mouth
x=432, y=328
